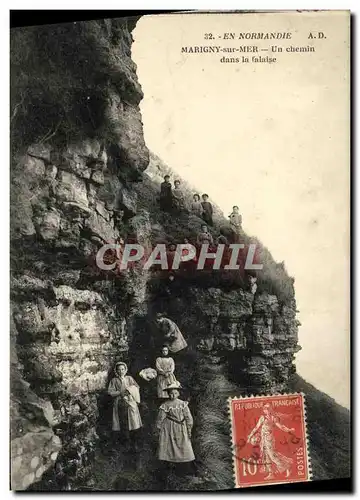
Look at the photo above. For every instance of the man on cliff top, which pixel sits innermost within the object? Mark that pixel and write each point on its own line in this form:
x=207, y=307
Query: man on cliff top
x=166, y=199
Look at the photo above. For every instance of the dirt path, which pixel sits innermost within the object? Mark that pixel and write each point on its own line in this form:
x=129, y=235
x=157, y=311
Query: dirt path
x=115, y=469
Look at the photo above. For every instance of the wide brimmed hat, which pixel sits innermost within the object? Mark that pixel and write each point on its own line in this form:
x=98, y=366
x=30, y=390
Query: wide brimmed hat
x=174, y=385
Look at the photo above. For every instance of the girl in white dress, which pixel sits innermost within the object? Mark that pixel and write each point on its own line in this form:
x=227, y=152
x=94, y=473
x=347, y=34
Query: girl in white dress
x=126, y=397
x=165, y=367
x=174, y=424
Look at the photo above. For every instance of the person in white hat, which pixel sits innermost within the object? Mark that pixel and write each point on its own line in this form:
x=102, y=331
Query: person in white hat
x=174, y=423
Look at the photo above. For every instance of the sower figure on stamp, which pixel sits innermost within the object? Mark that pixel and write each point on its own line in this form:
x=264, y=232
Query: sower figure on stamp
x=271, y=459
x=172, y=336
x=126, y=397
x=165, y=367
x=174, y=424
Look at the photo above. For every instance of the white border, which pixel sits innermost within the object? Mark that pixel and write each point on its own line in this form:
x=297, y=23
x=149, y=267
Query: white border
x=352, y=5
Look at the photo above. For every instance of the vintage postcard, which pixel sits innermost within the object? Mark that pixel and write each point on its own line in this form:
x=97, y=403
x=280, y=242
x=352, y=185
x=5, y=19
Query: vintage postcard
x=180, y=252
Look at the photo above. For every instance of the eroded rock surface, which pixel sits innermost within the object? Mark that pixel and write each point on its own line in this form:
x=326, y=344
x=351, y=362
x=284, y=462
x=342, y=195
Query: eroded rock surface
x=76, y=185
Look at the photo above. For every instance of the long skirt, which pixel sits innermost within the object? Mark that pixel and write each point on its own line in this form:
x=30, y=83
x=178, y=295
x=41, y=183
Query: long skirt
x=174, y=443
x=125, y=417
x=162, y=382
x=166, y=203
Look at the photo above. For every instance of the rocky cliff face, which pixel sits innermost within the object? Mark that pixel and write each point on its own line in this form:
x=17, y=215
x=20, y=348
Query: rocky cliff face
x=78, y=181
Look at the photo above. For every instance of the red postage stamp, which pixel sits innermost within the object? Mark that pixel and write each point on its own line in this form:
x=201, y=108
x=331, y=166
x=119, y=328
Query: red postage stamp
x=269, y=440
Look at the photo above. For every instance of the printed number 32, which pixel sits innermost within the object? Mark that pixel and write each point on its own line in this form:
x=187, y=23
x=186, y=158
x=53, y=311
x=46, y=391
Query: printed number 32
x=209, y=36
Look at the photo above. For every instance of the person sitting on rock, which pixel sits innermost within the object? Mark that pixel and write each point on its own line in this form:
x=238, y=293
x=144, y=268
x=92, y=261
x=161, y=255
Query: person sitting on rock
x=207, y=213
x=196, y=206
x=204, y=236
x=236, y=222
x=165, y=367
x=166, y=195
x=178, y=196
x=126, y=397
x=172, y=335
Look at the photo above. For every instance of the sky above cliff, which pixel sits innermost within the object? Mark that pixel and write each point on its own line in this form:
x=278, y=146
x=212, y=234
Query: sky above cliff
x=272, y=139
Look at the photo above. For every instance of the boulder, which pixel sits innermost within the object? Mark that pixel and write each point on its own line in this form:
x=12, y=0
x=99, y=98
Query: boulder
x=31, y=455
x=141, y=227
x=71, y=188
x=48, y=225
x=128, y=201
x=75, y=211
x=21, y=213
x=26, y=285
x=99, y=227
x=69, y=235
x=40, y=409
x=87, y=148
x=101, y=210
x=71, y=162
x=98, y=177
x=265, y=302
x=28, y=320
x=127, y=127
x=41, y=151
x=71, y=295
x=33, y=170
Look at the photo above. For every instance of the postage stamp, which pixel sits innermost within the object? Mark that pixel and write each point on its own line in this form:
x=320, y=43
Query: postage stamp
x=269, y=440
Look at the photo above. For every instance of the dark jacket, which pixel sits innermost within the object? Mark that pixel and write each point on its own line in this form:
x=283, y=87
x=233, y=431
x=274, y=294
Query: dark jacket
x=207, y=207
x=165, y=190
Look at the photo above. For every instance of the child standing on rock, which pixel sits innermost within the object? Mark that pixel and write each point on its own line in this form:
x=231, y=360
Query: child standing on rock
x=126, y=397
x=174, y=424
x=165, y=367
x=207, y=207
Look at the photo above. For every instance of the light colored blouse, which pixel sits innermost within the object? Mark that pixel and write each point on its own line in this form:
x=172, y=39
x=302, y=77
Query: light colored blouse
x=196, y=208
x=165, y=368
